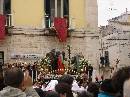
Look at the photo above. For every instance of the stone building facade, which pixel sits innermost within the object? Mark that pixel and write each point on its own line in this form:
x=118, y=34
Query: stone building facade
x=26, y=34
x=18, y=44
x=115, y=38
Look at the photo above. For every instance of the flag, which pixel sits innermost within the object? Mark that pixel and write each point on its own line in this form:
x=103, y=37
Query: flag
x=2, y=27
x=60, y=25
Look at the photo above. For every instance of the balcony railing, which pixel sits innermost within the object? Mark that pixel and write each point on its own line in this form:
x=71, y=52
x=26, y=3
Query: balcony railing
x=9, y=20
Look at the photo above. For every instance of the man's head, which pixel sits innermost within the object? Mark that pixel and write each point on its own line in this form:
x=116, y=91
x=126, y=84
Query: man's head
x=64, y=90
x=13, y=77
x=66, y=79
x=93, y=88
x=85, y=94
x=107, y=86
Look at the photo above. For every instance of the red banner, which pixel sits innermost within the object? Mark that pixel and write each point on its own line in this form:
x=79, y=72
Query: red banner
x=2, y=27
x=60, y=25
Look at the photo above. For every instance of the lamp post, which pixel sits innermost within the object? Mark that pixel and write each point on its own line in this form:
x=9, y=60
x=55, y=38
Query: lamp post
x=69, y=53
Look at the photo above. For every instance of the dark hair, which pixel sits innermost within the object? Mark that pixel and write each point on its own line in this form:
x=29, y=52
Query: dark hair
x=85, y=94
x=106, y=86
x=66, y=79
x=64, y=88
x=40, y=92
x=2, y=85
x=13, y=77
x=119, y=78
x=93, y=88
x=52, y=94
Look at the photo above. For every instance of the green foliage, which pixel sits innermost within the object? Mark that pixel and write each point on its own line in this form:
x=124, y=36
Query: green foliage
x=45, y=62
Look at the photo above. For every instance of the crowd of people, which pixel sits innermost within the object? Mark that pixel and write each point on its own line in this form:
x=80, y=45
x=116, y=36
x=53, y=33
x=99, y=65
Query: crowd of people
x=16, y=81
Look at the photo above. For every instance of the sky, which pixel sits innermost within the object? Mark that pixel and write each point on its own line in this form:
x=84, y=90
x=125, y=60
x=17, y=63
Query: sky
x=108, y=9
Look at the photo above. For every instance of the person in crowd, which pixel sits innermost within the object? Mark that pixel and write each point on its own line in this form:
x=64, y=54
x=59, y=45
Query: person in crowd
x=52, y=94
x=40, y=92
x=85, y=80
x=119, y=78
x=85, y=94
x=64, y=90
x=102, y=78
x=106, y=89
x=66, y=79
x=93, y=88
x=2, y=85
x=18, y=84
x=97, y=81
x=37, y=84
x=126, y=89
x=90, y=70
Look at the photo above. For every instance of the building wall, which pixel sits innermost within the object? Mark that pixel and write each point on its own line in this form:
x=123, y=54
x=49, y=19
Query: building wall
x=83, y=13
x=27, y=13
x=91, y=14
x=116, y=40
x=39, y=44
x=118, y=49
x=129, y=18
x=77, y=13
x=25, y=39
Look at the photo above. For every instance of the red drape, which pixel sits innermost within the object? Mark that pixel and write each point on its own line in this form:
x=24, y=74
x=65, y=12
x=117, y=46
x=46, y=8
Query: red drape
x=60, y=66
x=2, y=27
x=60, y=25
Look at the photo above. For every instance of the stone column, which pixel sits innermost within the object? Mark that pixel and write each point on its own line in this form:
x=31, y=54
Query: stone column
x=55, y=8
x=1, y=6
x=91, y=14
x=62, y=8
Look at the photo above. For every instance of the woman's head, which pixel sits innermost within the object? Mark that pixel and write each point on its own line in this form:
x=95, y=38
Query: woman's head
x=120, y=77
x=64, y=89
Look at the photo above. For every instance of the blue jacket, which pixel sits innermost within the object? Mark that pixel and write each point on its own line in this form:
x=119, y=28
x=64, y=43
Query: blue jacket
x=104, y=94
